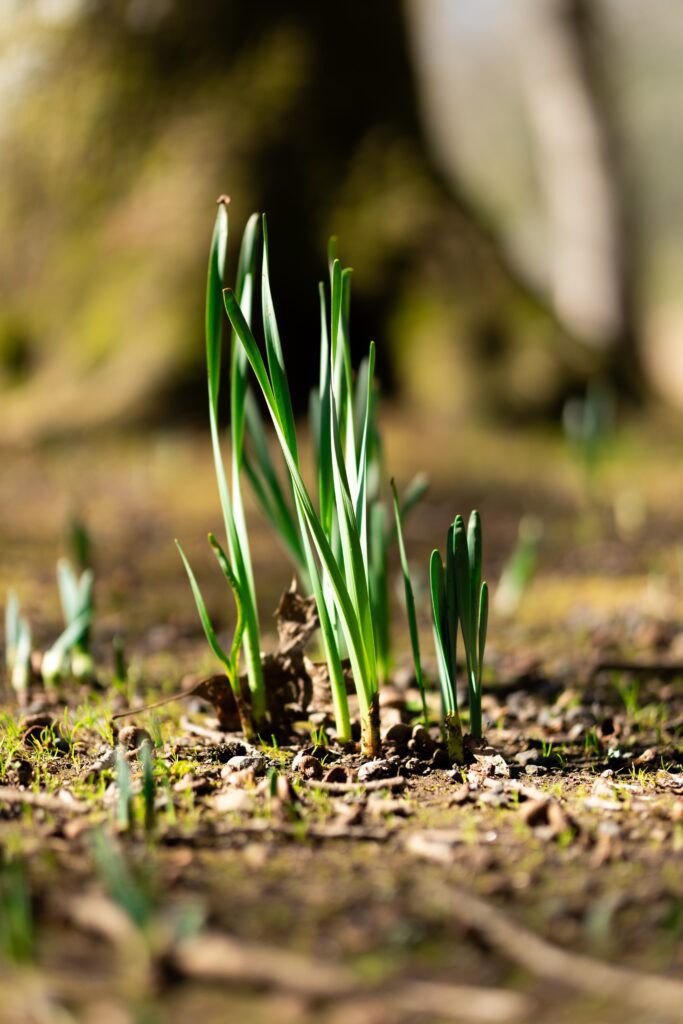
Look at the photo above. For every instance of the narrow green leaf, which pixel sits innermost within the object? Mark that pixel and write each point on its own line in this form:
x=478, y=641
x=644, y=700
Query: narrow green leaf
x=462, y=583
x=276, y=363
x=410, y=604
x=483, y=626
x=361, y=509
x=70, y=636
x=207, y=626
x=437, y=591
x=474, y=551
x=214, y=306
x=451, y=624
x=237, y=594
x=69, y=593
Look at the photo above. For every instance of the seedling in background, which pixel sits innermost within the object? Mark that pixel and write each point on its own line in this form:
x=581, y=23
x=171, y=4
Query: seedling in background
x=70, y=653
x=18, y=648
x=148, y=786
x=124, y=801
x=520, y=567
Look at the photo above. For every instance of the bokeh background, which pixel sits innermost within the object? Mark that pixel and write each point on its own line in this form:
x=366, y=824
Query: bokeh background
x=503, y=175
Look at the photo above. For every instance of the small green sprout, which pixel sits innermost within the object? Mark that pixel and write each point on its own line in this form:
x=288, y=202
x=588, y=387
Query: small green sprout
x=18, y=648
x=459, y=595
x=70, y=653
x=473, y=608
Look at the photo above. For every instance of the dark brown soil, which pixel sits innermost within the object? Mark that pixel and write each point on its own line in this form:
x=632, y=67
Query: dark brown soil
x=567, y=822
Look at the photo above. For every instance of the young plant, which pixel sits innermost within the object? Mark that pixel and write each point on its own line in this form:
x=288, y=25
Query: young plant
x=520, y=567
x=70, y=654
x=237, y=568
x=458, y=595
x=18, y=648
x=445, y=623
x=335, y=548
x=473, y=608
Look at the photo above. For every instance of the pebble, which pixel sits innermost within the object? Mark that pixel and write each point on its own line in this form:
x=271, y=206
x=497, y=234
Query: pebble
x=377, y=769
x=422, y=743
x=525, y=757
x=335, y=774
x=309, y=766
x=242, y=762
x=440, y=759
x=398, y=734
x=232, y=800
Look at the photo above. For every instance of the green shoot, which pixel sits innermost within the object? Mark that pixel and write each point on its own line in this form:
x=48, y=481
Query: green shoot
x=18, y=648
x=520, y=567
x=410, y=604
x=229, y=660
x=445, y=624
x=473, y=608
x=125, y=792
x=239, y=569
x=345, y=571
x=148, y=786
x=70, y=654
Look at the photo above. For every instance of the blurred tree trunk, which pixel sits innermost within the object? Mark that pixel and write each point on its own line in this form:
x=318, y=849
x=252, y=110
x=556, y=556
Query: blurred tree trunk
x=591, y=237
x=141, y=113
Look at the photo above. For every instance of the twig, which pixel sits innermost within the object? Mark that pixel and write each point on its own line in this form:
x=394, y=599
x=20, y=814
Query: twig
x=64, y=803
x=652, y=994
x=213, y=957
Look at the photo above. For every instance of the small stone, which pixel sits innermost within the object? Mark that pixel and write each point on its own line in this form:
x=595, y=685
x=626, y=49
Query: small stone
x=309, y=766
x=232, y=800
x=377, y=769
x=526, y=757
x=335, y=774
x=460, y=795
x=243, y=762
x=398, y=735
x=422, y=743
x=440, y=759
x=535, y=812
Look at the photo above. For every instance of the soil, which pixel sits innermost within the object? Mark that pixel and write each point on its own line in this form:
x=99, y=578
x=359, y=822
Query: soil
x=290, y=880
